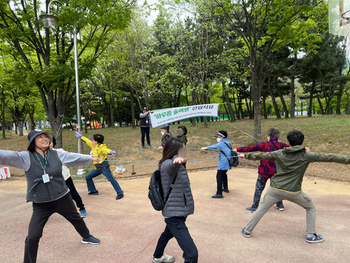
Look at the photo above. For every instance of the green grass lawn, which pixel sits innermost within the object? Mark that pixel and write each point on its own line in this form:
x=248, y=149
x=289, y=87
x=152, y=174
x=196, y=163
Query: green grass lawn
x=327, y=134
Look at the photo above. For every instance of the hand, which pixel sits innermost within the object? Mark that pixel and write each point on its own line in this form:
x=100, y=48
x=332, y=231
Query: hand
x=179, y=160
x=95, y=159
x=160, y=148
x=203, y=148
x=235, y=149
x=112, y=152
x=241, y=156
x=307, y=149
x=78, y=135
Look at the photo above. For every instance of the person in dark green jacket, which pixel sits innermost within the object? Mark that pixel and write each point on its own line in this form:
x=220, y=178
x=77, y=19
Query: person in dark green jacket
x=291, y=164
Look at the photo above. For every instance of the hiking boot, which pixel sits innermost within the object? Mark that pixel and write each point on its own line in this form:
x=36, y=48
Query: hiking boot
x=164, y=258
x=281, y=207
x=245, y=233
x=251, y=209
x=217, y=196
x=226, y=190
x=91, y=240
x=95, y=192
x=314, y=239
x=119, y=196
x=83, y=213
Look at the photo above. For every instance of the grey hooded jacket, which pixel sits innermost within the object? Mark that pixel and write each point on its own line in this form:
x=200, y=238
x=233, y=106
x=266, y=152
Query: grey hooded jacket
x=180, y=202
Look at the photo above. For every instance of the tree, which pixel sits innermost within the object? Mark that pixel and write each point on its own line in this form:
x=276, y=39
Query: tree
x=49, y=58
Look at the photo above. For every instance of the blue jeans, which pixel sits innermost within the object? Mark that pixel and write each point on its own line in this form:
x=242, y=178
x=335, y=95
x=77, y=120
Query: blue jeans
x=259, y=188
x=176, y=227
x=106, y=172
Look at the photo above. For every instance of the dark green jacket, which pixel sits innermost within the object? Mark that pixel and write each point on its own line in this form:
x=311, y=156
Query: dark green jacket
x=291, y=164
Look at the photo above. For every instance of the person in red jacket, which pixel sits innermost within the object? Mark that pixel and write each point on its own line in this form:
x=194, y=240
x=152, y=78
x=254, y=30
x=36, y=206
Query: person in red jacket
x=266, y=168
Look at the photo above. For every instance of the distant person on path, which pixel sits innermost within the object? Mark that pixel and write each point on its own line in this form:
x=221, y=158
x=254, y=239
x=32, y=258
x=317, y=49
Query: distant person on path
x=46, y=188
x=266, y=168
x=145, y=127
x=100, y=150
x=291, y=164
x=69, y=182
x=224, y=147
x=167, y=135
x=180, y=204
x=182, y=135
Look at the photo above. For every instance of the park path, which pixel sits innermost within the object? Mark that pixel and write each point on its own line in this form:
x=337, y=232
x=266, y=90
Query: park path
x=129, y=228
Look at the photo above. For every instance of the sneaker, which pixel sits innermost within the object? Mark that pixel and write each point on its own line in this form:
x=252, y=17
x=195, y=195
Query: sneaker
x=83, y=213
x=119, y=196
x=164, y=258
x=91, y=240
x=281, y=207
x=143, y=147
x=226, y=190
x=251, y=209
x=245, y=233
x=314, y=239
x=149, y=146
x=217, y=196
x=95, y=192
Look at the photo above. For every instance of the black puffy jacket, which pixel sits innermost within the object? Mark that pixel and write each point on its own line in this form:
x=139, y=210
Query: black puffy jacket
x=180, y=202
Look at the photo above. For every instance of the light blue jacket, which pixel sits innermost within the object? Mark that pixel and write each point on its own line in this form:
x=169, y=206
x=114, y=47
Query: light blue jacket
x=221, y=146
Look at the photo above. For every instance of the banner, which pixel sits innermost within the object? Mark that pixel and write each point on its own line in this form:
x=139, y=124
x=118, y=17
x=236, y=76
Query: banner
x=339, y=17
x=164, y=116
x=4, y=173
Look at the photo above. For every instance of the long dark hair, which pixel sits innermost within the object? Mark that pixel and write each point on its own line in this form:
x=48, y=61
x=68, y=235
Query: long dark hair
x=171, y=148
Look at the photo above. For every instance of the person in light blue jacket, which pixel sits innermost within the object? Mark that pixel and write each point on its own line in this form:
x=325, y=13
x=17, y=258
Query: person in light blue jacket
x=224, y=147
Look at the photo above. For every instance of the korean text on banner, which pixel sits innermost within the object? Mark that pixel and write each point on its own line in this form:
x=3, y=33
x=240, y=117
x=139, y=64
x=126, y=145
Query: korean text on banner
x=5, y=172
x=160, y=117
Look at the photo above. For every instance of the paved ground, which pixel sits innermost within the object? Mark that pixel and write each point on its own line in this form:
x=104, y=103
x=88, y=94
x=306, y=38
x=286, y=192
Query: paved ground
x=129, y=228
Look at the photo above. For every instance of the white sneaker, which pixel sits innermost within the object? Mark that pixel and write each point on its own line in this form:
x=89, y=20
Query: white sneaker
x=164, y=258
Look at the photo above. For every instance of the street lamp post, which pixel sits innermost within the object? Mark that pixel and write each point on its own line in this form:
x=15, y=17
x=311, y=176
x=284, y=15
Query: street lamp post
x=50, y=21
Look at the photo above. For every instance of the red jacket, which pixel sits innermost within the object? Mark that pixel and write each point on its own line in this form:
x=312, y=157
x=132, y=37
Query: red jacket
x=266, y=168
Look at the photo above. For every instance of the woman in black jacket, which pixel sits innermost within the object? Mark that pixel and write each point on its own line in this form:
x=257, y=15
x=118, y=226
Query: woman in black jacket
x=179, y=205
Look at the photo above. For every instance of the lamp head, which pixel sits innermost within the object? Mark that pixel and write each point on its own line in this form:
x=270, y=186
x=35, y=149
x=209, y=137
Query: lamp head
x=49, y=20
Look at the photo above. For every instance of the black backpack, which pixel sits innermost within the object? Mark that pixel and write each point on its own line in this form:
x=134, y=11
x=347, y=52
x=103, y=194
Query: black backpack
x=233, y=160
x=155, y=191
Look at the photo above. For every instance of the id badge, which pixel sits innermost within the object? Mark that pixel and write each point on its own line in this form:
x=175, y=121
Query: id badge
x=46, y=178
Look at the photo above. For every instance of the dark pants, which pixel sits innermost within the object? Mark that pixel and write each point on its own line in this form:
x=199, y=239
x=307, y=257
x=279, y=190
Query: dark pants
x=74, y=193
x=259, y=188
x=41, y=213
x=176, y=227
x=221, y=180
x=145, y=131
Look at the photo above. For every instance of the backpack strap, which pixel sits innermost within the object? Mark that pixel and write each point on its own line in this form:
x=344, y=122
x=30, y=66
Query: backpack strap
x=228, y=145
x=276, y=148
x=171, y=188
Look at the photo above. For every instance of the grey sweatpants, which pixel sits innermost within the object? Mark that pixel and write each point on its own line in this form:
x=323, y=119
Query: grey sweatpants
x=272, y=196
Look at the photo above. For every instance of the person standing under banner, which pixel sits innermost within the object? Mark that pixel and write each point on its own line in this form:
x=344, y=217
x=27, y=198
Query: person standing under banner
x=145, y=127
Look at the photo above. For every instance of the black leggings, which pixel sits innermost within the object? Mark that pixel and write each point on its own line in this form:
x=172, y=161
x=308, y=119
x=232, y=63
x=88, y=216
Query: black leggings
x=41, y=213
x=75, y=195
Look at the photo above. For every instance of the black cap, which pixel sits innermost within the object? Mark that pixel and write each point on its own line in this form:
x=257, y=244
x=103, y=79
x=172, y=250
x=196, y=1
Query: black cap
x=36, y=132
x=145, y=108
x=219, y=135
x=165, y=126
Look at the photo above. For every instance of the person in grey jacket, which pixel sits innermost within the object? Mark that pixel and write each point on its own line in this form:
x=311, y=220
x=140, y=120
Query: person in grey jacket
x=46, y=187
x=179, y=205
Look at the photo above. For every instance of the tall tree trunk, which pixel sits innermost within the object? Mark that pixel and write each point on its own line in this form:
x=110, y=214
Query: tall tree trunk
x=339, y=95
x=20, y=127
x=132, y=108
x=3, y=116
x=228, y=103
x=194, y=99
x=321, y=106
x=275, y=106
x=309, y=110
x=111, y=111
x=292, y=87
x=285, y=109
x=264, y=105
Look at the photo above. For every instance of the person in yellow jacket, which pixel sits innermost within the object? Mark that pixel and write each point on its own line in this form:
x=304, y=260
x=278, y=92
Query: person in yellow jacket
x=100, y=150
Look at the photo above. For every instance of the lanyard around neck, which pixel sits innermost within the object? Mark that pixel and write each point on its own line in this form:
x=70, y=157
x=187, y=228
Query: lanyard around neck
x=47, y=159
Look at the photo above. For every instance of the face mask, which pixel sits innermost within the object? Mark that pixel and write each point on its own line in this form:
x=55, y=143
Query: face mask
x=162, y=133
x=218, y=139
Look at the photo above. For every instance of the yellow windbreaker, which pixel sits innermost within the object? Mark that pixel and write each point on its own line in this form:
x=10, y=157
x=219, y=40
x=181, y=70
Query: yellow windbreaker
x=98, y=150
